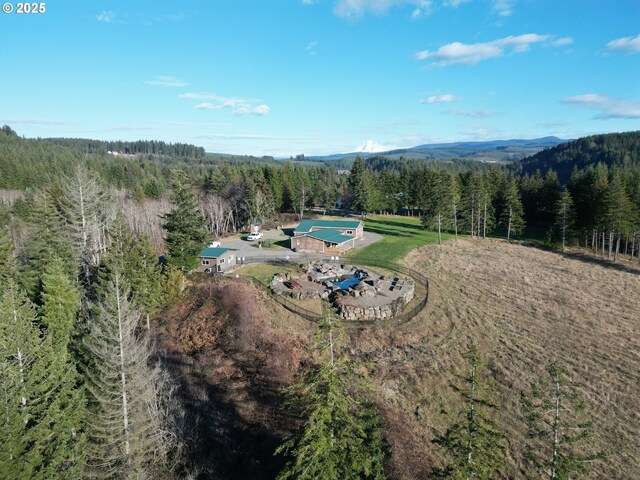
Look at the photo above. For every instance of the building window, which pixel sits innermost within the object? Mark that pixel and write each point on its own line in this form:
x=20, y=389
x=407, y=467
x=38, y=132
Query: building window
x=349, y=232
x=222, y=260
x=230, y=259
x=205, y=262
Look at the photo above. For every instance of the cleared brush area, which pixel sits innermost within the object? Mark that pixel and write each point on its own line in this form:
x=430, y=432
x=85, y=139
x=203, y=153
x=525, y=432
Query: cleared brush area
x=522, y=307
x=232, y=350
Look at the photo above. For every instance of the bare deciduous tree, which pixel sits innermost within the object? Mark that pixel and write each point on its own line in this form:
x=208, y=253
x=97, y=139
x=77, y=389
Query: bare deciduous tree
x=88, y=213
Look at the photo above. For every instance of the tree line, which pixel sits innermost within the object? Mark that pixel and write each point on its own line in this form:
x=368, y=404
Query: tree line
x=83, y=392
x=596, y=205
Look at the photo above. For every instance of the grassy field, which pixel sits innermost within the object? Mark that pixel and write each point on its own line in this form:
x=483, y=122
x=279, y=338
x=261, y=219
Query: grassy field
x=401, y=235
x=523, y=308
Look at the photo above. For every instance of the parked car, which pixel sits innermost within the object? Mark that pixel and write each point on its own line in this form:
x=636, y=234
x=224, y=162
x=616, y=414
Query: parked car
x=254, y=236
x=214, y=244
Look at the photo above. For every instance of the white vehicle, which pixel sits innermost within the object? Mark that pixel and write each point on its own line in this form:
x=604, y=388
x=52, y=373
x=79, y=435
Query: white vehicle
x=254, y=236
x=214, y=244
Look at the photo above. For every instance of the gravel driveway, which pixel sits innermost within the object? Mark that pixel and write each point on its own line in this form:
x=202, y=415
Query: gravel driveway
x=250, y=249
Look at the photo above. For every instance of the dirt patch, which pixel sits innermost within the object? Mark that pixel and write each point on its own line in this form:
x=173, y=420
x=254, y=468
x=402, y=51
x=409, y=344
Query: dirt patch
x=233, y=350
x=523, y=307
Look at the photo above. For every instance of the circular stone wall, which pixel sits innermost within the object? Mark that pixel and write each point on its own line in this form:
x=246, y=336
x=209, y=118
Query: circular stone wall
x=370, y=296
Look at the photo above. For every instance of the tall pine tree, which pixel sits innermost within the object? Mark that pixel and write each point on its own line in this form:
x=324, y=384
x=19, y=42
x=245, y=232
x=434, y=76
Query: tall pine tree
x=340, y=436
x=557, y=430
x=185, y=228
x=512, y=217
x=473, y=443
x=59, y=406
x=565, y=216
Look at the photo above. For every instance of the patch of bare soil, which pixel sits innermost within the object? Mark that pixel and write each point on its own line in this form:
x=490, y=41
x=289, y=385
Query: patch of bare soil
x=522, y=307
x=232, y=350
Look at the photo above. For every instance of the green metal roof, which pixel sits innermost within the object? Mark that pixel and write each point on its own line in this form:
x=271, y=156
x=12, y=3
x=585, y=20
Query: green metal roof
x=328, y=235
x=214, y=252
x=307, y=225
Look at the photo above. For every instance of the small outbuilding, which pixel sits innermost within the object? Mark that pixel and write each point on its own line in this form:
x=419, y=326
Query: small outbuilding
x=256, y=226
x=213, y=260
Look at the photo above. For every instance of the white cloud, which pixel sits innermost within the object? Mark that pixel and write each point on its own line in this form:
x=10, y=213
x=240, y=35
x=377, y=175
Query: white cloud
x=106, y=16
x=238, y=106
x=357, y=8
x=608, y=107
x=208, y=106
x=455, y=3
x=311, y=47
x=562, y=41
x=261, y=110
x=371, y=146
x=471, y=113
x=471, y=53
x=503, y=8
x=446, y=98
x=166, y=81
x=197, y=96
x=32, y=121
x=242, y=136
x=625, y=45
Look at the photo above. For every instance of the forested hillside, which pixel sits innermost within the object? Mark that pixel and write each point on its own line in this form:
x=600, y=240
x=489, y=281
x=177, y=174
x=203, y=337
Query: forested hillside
x=619, y=149
x=81, y=235
x=600, y=202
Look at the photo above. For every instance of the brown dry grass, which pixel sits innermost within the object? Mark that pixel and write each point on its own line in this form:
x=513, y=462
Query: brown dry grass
x=523, y=308
x=232, y=350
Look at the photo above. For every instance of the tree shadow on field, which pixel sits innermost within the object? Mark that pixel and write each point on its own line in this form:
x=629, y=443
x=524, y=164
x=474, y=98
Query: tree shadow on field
x=603, y=262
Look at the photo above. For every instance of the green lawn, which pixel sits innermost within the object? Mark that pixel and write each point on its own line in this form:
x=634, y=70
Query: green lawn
x=401, y=235
x=264, y=272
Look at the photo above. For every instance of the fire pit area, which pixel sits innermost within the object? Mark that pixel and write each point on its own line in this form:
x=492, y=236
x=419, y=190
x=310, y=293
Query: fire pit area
x=357, y=293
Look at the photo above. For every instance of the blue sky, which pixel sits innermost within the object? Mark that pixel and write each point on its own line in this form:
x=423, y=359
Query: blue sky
x=321, y=76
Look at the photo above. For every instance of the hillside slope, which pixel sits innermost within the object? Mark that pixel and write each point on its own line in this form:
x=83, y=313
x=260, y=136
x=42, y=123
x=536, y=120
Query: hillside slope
x=611, y=149
x=522, y=307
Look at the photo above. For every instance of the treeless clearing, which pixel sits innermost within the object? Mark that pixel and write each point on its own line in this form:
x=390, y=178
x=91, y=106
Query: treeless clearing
x=523, y=308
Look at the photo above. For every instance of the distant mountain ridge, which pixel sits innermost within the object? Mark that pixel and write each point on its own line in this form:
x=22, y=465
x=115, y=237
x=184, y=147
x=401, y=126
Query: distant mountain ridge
x=489, y=151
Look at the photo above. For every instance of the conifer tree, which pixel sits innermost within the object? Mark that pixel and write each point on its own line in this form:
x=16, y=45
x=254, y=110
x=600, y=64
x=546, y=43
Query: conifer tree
x=340, y=436
x=46, y=240
x=185, y=228
x=125, y=437
x=58, y=408
x=144, y=274
x=565, y=216
x=512, y=218
x=616, y=212
x=20, y=346
x=557, y=435
x=437, y=203
x=473, y=443
x=360, y=184
x=8, y=267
